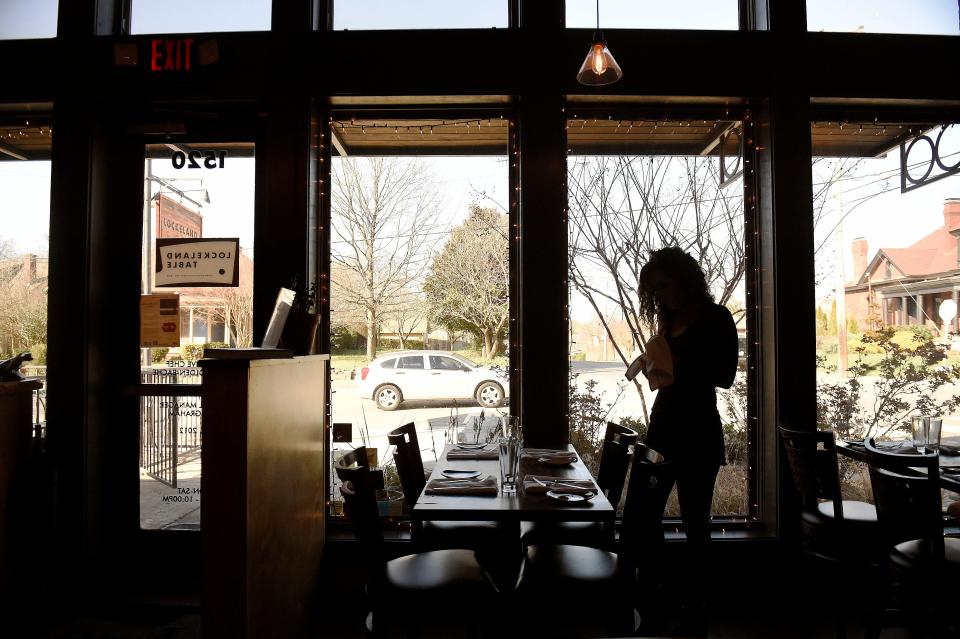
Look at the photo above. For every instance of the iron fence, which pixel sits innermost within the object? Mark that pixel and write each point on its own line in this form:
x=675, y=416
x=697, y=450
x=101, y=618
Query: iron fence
x=171, y=429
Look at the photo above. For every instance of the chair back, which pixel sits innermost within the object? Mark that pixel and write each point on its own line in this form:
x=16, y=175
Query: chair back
x=643, y=512
x=409, y=463
x=358, y=487
x=906, y=490
x=614, y=460
x=812, y=456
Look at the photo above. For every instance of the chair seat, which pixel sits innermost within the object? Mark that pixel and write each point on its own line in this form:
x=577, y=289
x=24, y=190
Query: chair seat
x=586, y=566
x=459, y=534
x=579, y=533
x=859, y=518
x=922, y=554
x=438, y=571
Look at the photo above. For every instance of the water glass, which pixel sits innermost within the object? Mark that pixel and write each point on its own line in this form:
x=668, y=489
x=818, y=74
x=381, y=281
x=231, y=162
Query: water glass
x=510, y=441
x=509, y=464
x=933, y=433
x=920, y=429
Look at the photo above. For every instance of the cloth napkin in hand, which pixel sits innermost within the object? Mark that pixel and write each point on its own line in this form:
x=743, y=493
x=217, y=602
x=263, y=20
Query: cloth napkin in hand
x=558, y=484
x=548, y=453
x=450, y=486
x=490, y=452
x=659, y=362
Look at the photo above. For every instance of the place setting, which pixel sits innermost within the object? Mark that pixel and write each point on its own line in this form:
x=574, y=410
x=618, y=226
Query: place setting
x=560, y=489
x=548, y=456
x=466, y=485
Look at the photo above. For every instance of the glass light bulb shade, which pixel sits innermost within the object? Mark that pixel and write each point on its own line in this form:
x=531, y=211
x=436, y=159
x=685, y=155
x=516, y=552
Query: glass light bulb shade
x=599, y=67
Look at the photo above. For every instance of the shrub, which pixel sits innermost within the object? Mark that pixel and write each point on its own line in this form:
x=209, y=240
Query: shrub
x=39, y=353
x=158, y=355
x=343, y=338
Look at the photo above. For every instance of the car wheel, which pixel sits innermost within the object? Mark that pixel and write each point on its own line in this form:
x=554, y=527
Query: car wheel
x=388, y=397
x=490, y=395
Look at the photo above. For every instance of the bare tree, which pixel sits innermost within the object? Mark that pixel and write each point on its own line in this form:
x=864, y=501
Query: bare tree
x=8, y=248
x=385, y=224
x=23, y=316
x=468, y=284
x=621, y=207
x=236, y=313
x=406, y=315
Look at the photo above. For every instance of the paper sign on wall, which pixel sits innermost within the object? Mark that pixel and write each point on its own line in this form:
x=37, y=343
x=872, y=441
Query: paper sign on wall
x=198, y=262
x=160, y=320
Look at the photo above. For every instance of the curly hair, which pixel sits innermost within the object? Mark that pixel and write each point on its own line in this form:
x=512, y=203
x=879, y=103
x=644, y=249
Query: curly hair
x=677, y=264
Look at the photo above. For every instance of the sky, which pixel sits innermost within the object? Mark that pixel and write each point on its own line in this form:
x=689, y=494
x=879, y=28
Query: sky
x=38, y=18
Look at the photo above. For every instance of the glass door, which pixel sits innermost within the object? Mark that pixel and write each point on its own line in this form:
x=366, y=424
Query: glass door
x=196, y=294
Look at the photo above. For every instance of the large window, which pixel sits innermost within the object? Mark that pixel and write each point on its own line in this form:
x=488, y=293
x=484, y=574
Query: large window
x=190, y=16
x=419, y=14
x=420, y=276
x=634, y=186
x=887, y=280
x=24, y=241
x=22, y=19
x=630, y=14
x=932, y=17
x=191, y=192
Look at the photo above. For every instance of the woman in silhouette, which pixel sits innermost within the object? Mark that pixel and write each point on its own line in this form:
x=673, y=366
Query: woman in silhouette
x=684, y=423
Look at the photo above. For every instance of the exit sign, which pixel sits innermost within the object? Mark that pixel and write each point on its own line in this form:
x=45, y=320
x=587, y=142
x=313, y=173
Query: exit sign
x=171, y=54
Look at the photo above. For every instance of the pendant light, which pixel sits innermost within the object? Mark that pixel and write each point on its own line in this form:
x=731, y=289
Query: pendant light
x=599, y=67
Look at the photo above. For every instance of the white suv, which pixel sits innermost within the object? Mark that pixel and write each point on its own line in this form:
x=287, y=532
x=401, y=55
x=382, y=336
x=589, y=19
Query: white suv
x=392, y=379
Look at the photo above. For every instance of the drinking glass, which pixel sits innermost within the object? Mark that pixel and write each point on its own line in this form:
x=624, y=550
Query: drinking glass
x=920, y=429
x=510, y=441
x=933, y=433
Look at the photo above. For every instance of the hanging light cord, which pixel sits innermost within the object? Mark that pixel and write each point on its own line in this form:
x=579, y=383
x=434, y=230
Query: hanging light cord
x=598, y=15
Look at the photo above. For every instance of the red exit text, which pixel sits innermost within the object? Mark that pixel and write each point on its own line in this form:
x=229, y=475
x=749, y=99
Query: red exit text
x=171, y=55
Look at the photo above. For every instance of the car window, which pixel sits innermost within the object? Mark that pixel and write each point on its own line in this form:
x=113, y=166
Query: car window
x=411, y=361
x=389, y=363
x=439, y=362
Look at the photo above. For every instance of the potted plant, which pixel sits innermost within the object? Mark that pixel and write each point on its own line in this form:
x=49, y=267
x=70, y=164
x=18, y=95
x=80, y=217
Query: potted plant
x=300, y=329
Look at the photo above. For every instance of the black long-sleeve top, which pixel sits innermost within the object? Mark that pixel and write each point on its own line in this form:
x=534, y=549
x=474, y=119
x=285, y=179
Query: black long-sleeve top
x=684, y=422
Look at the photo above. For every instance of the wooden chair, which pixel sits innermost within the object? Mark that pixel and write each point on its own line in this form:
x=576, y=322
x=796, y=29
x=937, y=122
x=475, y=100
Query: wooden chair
x=614, y=460
x=605, y=579
x=432, y=535
x=834, y=529
x=923, y=565
x=398, y=587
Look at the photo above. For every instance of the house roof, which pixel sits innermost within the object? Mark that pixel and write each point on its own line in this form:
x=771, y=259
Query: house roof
x=934, y=253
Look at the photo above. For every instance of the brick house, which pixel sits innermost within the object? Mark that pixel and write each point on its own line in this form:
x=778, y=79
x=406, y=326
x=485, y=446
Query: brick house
x=905, y=286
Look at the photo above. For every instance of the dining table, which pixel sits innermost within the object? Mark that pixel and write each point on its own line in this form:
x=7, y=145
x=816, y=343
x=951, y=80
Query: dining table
x=512, y=507
x=949, y=460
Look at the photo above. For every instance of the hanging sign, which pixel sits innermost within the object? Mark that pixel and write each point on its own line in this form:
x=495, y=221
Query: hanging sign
x=198, y=262
x=160, y=320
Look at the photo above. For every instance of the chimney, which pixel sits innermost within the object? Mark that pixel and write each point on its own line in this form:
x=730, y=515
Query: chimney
x=859, y=249
x=29, y=272
x=951, y=213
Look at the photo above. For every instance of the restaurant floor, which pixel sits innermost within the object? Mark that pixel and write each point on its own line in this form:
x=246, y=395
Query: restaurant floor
x=760, y=596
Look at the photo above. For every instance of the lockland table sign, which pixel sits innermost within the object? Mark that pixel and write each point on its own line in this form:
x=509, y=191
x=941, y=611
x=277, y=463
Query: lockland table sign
x=197, y=262
x=160, y=320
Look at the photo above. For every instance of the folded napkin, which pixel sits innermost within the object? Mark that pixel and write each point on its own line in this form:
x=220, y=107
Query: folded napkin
x=449, y=486
x=558, y=484
x=548, y=453
x=491, y=452
x=659, y=362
